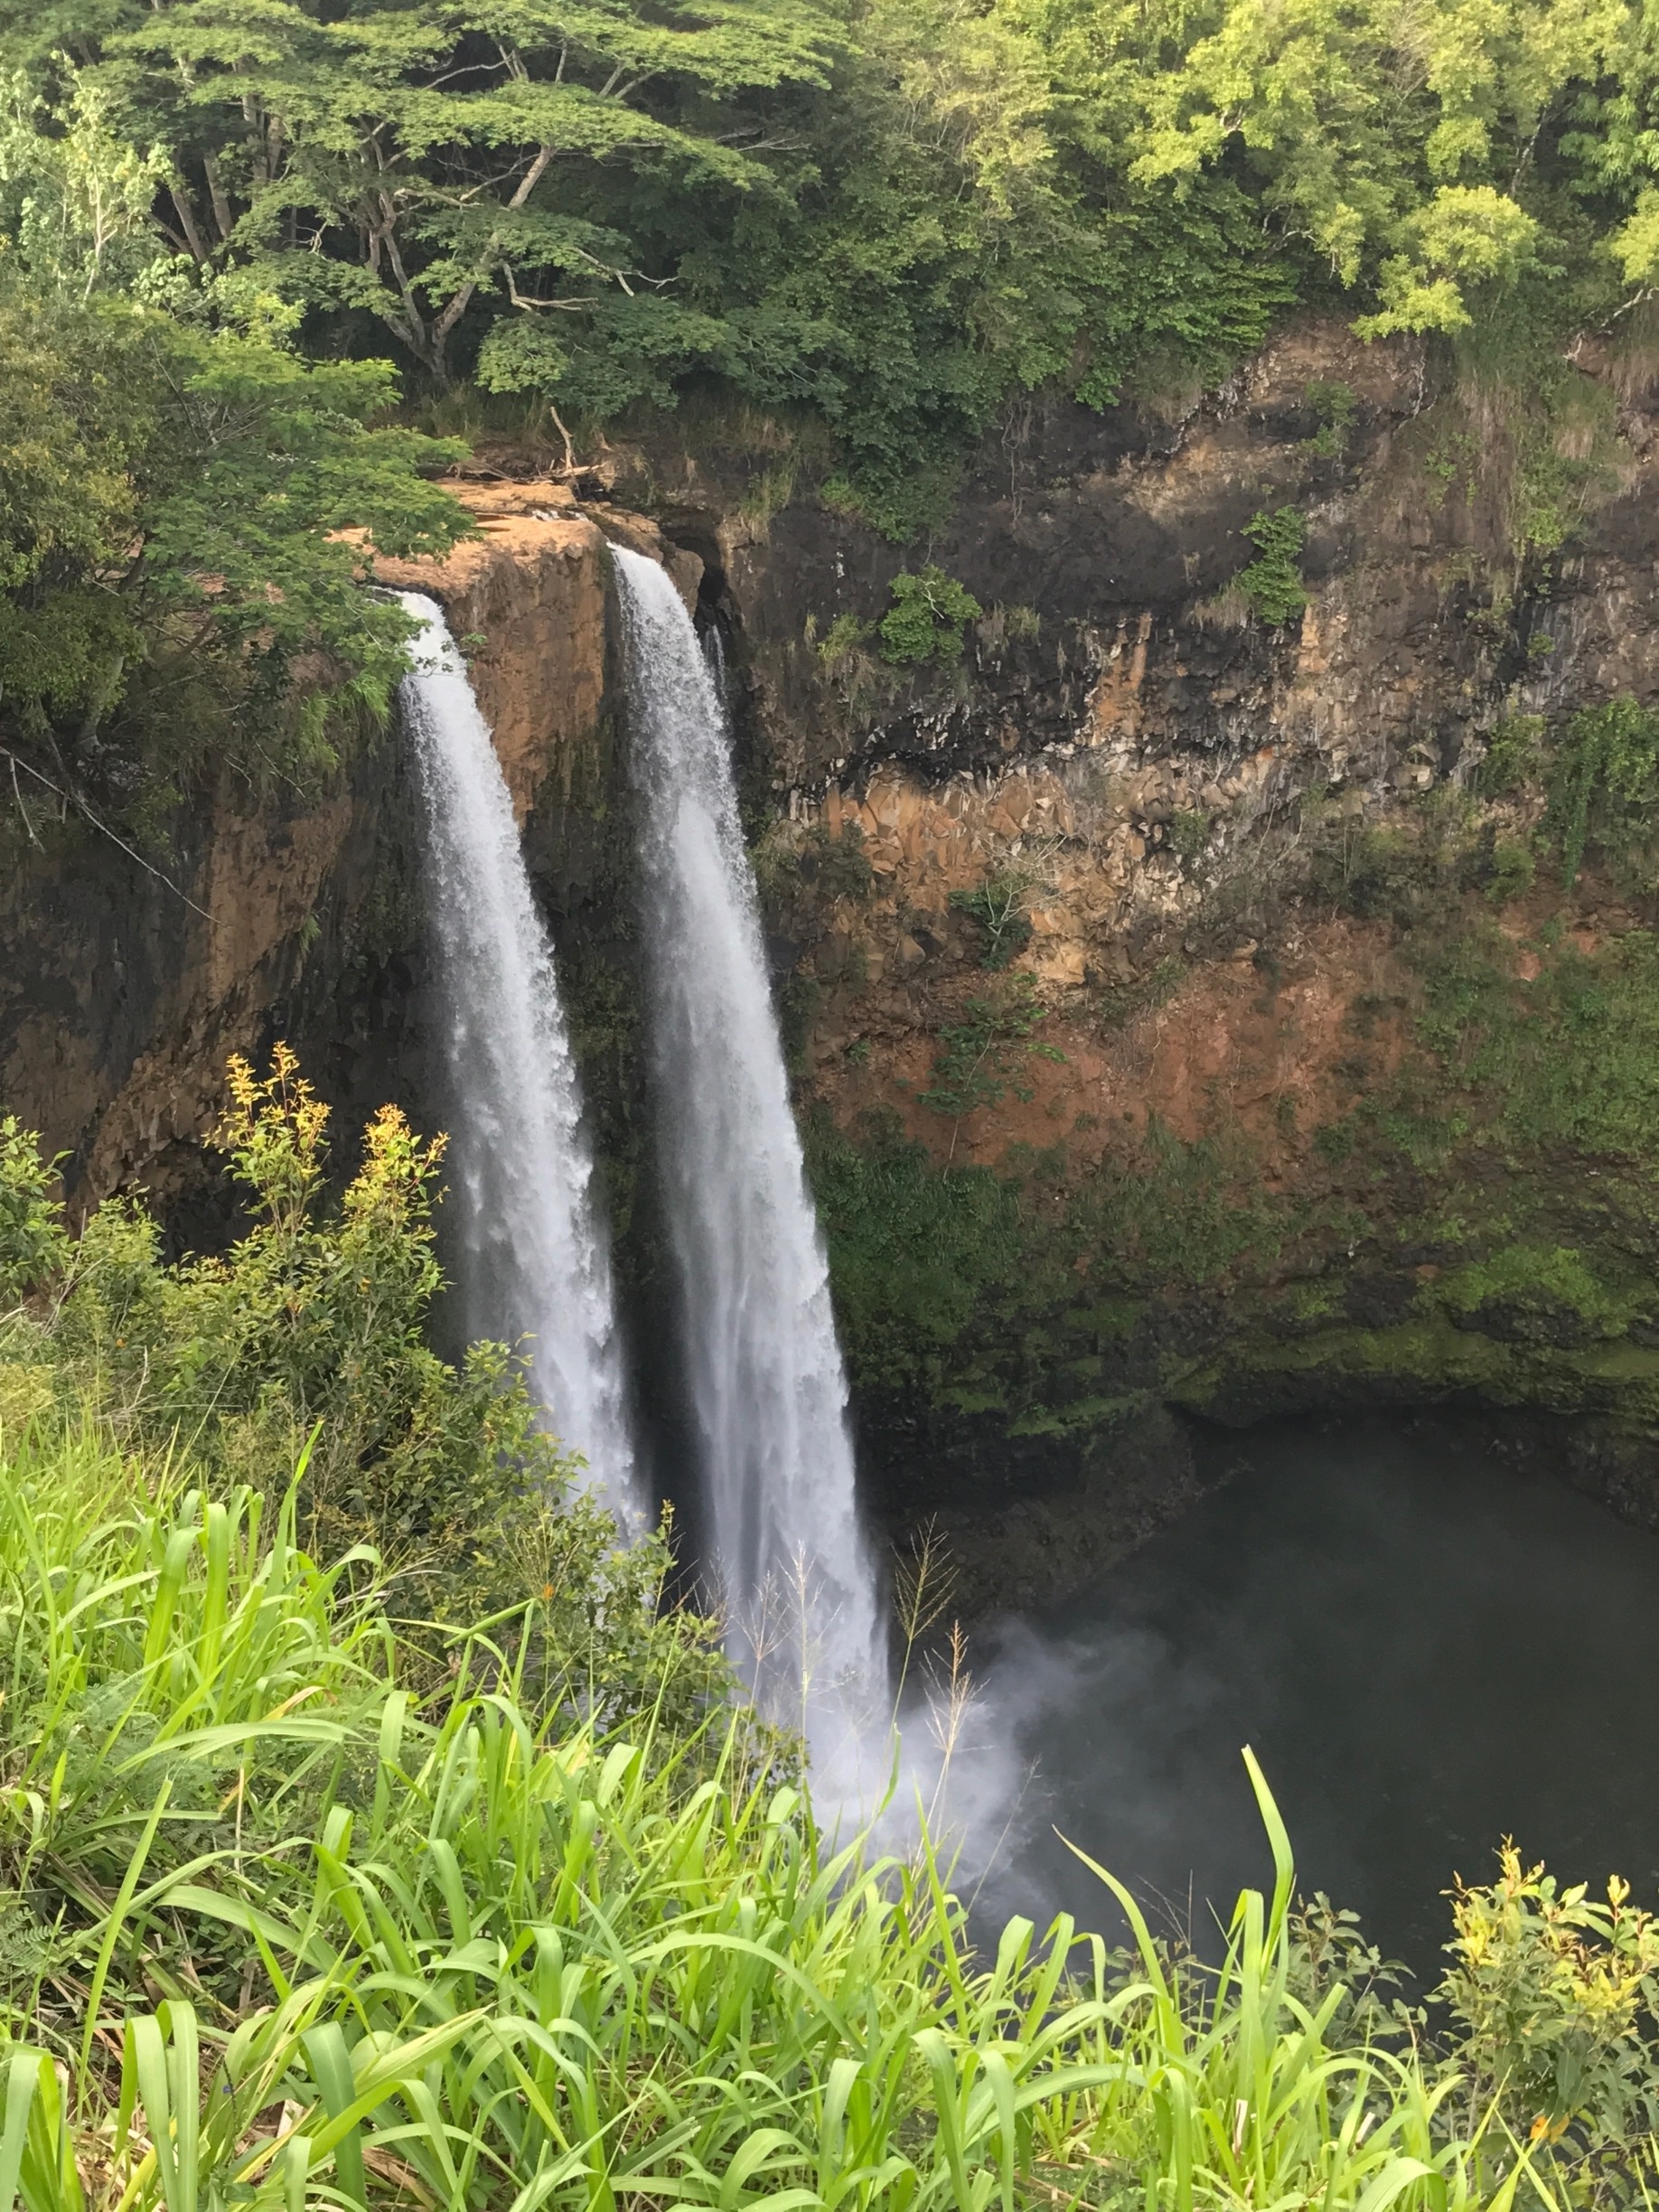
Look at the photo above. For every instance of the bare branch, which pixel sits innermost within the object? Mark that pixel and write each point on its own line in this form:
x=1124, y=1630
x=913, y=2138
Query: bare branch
x=180, y=197
x=73, y=798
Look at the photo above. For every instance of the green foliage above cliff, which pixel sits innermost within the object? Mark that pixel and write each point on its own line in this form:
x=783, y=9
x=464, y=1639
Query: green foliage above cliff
x=167, y=582
x=171, y=473
x=893, y=217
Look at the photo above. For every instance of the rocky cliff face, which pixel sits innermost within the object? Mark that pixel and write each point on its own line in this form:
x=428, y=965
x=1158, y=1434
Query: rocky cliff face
x=1231, y=855
x=1123, y=735
x=130, y=978
x=1209, y=983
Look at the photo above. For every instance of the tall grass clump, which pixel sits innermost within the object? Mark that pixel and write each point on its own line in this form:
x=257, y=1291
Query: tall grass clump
x=312, y=1897
x=283, y=1924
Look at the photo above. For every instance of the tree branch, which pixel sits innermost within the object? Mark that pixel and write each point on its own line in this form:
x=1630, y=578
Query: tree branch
x=462, y=299
x=72, y=798
x=180, y=197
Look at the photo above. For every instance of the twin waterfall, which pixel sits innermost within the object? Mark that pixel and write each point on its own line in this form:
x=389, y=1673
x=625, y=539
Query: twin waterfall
x=534, y=1257
x=768, y=1395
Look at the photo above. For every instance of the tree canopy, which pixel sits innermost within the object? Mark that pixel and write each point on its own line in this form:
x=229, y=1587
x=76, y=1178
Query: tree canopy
x=234, y=231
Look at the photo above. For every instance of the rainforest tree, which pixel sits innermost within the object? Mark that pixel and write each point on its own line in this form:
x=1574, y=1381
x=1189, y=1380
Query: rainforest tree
x=889, y=217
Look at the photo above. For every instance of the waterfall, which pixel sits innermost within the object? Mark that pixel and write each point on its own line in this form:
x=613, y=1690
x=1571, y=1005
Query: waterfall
x=768, y=1393
x=534, y=1259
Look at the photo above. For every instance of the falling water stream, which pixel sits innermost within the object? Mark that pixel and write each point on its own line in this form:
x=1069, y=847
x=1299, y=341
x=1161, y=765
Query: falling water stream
x=534, y=1257
x=769, y=1397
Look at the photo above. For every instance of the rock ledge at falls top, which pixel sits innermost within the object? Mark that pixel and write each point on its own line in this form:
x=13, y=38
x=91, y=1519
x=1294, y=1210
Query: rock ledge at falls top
x=530, y=590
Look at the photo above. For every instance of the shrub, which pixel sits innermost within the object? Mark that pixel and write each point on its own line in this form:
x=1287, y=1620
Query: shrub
x=1604, y=782
x=1553, y=1990
x=997, y=905
x=32, y=1242
x=1335, y=407
x=1189, y=833
x=1272, y=583
x=926, y=620
x=306, y=1344
x=984, y=1053
x=1513, y=870
x=843, y=638
x=839, y=864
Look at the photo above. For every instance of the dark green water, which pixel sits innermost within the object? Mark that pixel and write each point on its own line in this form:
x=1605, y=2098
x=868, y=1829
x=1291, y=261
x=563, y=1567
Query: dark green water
x=1427, y=1649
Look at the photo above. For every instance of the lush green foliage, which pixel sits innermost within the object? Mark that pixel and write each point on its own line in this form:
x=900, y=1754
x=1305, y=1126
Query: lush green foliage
x=892, y=220
x=168, y=587
x=447, y=1943
x=307, y=1345
x=32, y=1244
x=1020, y=1292
x=1272, y=583
x=1604, y=783
x=1549, y=1984
x=929, y=613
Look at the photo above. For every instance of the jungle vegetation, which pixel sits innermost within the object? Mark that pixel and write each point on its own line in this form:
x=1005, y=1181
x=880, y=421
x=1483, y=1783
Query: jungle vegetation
x=372, y=1831
x=253, y=252
x=375, y=1843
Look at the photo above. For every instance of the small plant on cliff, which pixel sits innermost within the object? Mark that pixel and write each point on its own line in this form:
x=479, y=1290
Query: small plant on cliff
x=839, y=865
x=843, y=638
x=984, y=1053
x=1272, y=583
x=1189, y=833
x=1604, y=783
x=1513, y=870
x=929, y=614
x=1513, y=755
x=997, y=905
x=1333, y=406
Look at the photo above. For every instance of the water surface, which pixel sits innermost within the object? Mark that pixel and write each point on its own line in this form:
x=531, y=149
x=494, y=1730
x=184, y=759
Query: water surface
x=1428, y=1649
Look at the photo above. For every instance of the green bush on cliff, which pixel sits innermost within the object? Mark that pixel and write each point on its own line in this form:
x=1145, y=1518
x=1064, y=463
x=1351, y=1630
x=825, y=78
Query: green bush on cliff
x=1272, y=583
x=926, y=621
x=1603, y=783
x=985, y=1054
x=1513, y=755
x=171, y=473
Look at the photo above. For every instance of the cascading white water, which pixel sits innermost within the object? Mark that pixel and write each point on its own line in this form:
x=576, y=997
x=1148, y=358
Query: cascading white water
x=768, y=1392
x=534, y=1255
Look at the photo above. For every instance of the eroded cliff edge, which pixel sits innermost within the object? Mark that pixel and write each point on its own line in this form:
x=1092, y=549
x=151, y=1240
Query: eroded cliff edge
x=131, y=974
